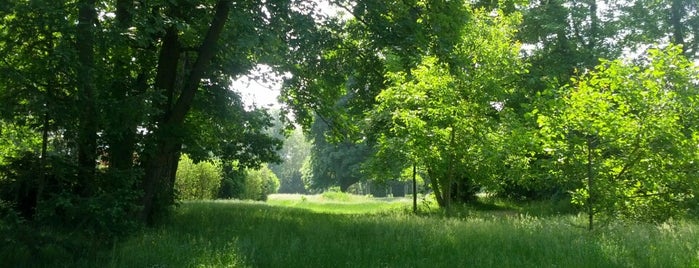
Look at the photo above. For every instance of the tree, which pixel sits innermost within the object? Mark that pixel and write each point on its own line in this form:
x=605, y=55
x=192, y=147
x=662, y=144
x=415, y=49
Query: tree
x=260, y=183
x=332, y=163
x=626, y=134
x=442, y=112
x=650, y=22
x=133, y=84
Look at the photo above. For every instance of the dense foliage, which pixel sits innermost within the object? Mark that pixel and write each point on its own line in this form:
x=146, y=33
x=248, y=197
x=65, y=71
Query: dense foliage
x=627, y=136
x=541, y=99
x=197, y=181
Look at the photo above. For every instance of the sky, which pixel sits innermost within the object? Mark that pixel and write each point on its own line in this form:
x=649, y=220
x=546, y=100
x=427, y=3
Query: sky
x=265, y=94
x=258, y=93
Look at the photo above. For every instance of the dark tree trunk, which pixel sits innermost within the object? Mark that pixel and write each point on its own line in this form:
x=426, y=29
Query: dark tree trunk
x=676, y=14
x=161, y=163
x=122, y=132
x=158, y=184
x=414, y=189
x=87, y=128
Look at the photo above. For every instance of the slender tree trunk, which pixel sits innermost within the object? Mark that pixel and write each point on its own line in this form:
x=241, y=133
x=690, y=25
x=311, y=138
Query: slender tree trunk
x=41, y=183
x=436, y=187
x=449, y=178
x=87, y=129
x=161, y=164
x=414, y=190
x=590, y=182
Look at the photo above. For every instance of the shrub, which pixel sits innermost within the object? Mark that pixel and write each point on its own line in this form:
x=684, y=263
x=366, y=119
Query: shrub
x=197, y=181
x=260, y=183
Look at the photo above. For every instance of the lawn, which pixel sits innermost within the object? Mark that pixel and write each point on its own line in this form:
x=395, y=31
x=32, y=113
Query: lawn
x=322, y=231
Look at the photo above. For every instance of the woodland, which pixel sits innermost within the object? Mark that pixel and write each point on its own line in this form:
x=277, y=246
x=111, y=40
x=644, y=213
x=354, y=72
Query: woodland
x=113, y=112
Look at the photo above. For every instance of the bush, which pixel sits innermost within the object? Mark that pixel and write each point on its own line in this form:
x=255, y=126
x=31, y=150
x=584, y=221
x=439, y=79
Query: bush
x=259, y=184
x=334, y=194
x=245, y=183
x=197, y=181
x=48, y=213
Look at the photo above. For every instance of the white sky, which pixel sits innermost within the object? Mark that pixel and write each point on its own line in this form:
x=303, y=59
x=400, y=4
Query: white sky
x=258, y=93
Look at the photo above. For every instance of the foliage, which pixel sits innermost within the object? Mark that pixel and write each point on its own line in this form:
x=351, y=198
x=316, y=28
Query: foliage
x=334, y=194
x=247, y=183
x=16, y=139
x=294, y=152
x=442, y=113
x=51, y=217
x=134, y=84
x=332, y=163
x=626, y=135
x=259, y=183
x=197, y=181
x=650, y=22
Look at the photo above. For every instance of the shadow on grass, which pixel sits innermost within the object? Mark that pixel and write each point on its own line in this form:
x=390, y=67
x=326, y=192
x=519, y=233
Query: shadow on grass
x=219, y=234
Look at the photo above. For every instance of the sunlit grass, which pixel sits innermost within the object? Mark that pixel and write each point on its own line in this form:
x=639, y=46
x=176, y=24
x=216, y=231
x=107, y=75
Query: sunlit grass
x=340, y=203
x=314, y=232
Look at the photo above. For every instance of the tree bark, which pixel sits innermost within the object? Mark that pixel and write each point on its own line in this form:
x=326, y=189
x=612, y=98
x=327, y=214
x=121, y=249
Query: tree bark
x=676, y=14
x=161, y=163
x=434, y=182
x=414, y=190
x=87, y=129
x=121, y=135
x=590, y=181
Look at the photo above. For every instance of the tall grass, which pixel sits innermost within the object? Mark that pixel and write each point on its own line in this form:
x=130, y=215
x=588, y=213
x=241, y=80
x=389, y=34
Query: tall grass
x=291, y=234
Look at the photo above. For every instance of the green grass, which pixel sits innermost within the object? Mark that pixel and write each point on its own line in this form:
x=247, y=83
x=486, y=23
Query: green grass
x=339, y=203
x=291, y=231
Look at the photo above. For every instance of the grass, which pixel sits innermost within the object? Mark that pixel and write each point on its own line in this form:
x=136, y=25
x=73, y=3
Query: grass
x=313, y=231
x=339, y=203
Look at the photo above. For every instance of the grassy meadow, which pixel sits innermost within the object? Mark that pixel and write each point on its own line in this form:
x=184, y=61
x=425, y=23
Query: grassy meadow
x=339, y=230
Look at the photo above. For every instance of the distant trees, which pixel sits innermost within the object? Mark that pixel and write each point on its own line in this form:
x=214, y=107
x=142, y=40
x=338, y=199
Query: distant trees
x=293, y=154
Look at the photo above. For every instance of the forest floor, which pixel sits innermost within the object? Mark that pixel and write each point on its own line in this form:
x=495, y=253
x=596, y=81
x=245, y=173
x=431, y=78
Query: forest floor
x=339, y=230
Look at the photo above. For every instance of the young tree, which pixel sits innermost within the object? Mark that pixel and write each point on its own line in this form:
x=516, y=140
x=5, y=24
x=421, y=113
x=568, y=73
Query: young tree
x=441, y=113
x=626, y=133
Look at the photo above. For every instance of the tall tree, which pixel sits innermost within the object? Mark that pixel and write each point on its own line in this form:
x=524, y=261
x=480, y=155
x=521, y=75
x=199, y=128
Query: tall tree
x=441, y=112
x=650, y=22
x=125, y=76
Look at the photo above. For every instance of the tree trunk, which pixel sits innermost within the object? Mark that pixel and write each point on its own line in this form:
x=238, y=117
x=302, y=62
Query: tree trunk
x=161, y=163
x=449, y=178
x=590, y=181
x=676, y=14
x=87, y=129
x=121, y=135
x=434, y=183
x=158, y=184
x=414, y=190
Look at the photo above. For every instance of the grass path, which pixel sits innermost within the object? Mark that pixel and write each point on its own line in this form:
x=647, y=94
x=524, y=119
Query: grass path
x=289, y=233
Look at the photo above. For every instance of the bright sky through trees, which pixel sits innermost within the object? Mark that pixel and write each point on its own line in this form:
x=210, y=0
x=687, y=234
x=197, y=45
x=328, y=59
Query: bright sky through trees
x=255, y=91
x=264, y=92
